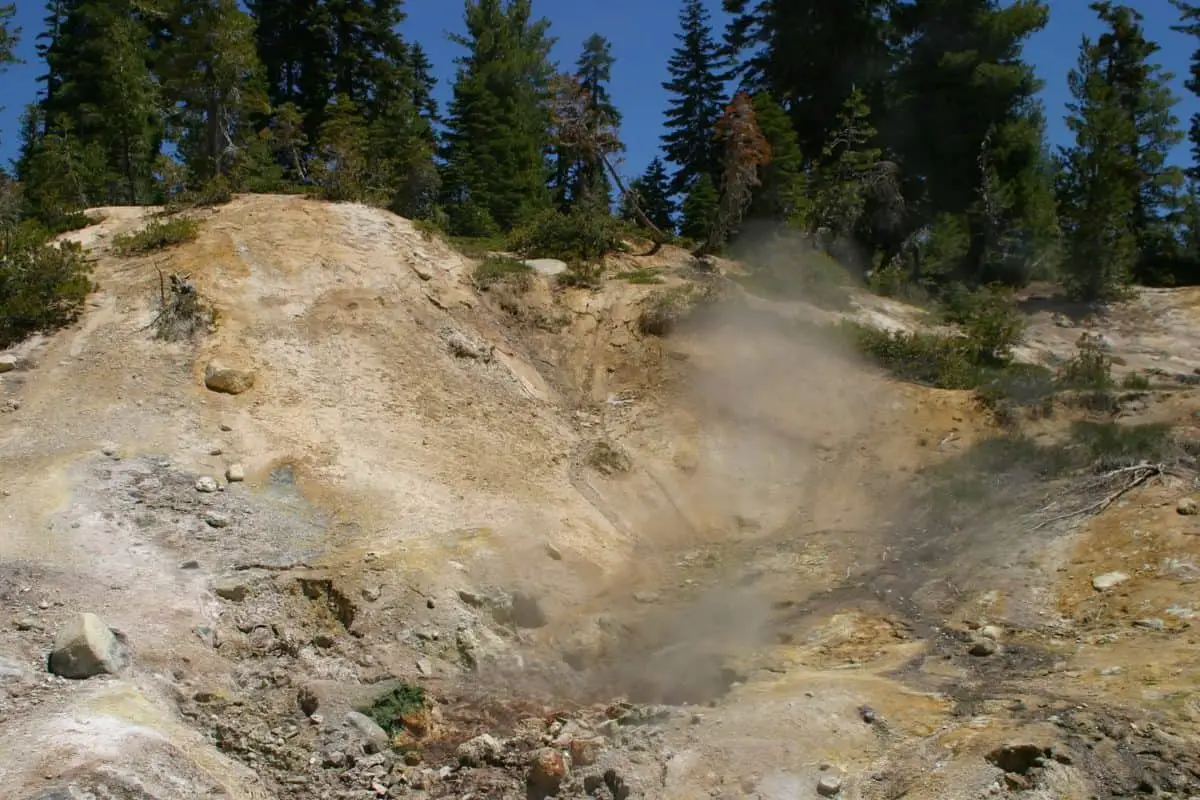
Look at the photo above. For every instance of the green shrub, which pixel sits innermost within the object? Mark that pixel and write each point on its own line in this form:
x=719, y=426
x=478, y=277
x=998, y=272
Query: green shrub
x=790, y=268
x=1110, y=445
x=582, y=236
x=645, y=275
x=1090, y=369
x=990, y=320
x=934, y=360
x=476, y=246
x=42, y=284
x=388, y=709
x=1136, y=381
x=497, y=269
x=663, y=310
x=158, y=235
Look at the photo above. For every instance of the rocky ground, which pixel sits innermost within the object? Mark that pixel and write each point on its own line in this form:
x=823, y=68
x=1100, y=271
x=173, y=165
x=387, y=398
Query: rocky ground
x=382, y=533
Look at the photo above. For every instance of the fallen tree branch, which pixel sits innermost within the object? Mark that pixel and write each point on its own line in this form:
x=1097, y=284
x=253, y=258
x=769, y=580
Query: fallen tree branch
x=1144, y=472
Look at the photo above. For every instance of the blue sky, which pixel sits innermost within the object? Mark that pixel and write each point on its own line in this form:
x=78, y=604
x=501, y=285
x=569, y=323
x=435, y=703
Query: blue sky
x=642, y=33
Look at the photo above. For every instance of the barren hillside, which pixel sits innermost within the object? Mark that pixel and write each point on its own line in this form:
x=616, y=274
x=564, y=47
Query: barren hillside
x=707, y=564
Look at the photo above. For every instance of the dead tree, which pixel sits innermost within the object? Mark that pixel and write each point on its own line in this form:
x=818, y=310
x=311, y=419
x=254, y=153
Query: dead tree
x=746, y=152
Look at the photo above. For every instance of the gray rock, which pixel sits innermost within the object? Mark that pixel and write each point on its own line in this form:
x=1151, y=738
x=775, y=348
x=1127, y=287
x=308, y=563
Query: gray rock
x=425, y=667
x=463, y=347
x=8, y=363
x=829, y=786
x=993, y=632
x=374, y=737
x=228, y=380
x=1188, y=507
x=86, y=647
x=1151, y=624
x=235, y=473
x=646, y=598
x=484, y=749
x=216, y=520
x=1108, y=580
x=206, y=484
x=232, y=589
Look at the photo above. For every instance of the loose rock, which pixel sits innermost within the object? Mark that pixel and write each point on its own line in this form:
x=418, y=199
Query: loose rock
x=463, y=347
x=1108, y=580
x=1188, y=507
x=547, y=772
x=228, y=380
x=1153, y=624
x=232, y=589
x=829, y=786
x=216, y=520
x=8, y=363
x=375, y=738
x=984, y=647
x=206, y=484
x=235, y=473
x=484, y=749
x=87, y=647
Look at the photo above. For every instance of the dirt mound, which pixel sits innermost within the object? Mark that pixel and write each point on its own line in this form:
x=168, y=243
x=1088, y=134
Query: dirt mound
x=708, y=563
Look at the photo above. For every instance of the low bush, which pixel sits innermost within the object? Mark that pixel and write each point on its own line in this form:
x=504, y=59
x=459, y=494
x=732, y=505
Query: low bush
x=158, y=235
x=582, y=236
x=1110, y=445
x=389, y=709
x=928, y=358
x=42, y=284
x=498, y=269
x=990, y=320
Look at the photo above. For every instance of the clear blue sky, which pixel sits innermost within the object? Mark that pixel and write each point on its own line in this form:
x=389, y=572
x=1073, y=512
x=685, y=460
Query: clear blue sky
x=642, y=33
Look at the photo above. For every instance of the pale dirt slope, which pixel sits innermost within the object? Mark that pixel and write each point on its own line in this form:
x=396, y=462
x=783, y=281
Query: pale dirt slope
x=396, y=484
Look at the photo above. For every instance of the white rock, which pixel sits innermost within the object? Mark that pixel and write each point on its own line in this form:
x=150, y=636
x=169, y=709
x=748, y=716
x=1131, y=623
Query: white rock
x=1187, y=507
x=8, y=362
x=206, y=484
x=484, y=749
x=375, y=737
x=85, y=648
x=1108, y=580
x=232, y=589
x=829, y=786
x=235, y=473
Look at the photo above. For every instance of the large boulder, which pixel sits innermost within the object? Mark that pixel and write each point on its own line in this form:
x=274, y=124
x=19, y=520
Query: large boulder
x=8, y=362
x=86, y=647
x=222, y=378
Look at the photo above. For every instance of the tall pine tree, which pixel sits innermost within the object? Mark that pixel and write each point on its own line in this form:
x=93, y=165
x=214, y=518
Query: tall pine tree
x=580, y=176
x=653, y=190
x=698, y=70
x=496, y=134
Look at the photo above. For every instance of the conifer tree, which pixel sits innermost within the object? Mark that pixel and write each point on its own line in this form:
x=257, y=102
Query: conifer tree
x=9, y=33
x=580, y=177
x=495, y=172
x=1189, y=24
x=420, y=73
x=653, y=191
x=780, y=195
x=698, y=211
x=214, y=86
x=1099, y=186
x=698, y=70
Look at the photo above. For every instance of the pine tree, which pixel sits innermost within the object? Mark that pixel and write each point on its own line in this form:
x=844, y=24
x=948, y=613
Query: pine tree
x=845, y=175
x=214, y=86
x=960, y=81
x=495, y=173
x=98, y=77
x=1190, y=25
x=580, y=177
x=420, y=72
x=653, y=190
x=780, y=196
x=1099, y=186
x=698, y=212
x=1143, y=90
x=698, y=71
x=9, y=34
x=812, y=55
x=61, y=174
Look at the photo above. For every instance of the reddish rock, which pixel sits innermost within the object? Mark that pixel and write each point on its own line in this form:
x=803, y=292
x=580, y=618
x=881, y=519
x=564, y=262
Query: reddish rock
x=547, y=772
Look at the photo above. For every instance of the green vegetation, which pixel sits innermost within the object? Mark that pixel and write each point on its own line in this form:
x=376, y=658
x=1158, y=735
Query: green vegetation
x=645, y=275
x=664, y=309
x=42, y=284
x=388, y=709
x=577, y=237
x=158, y=235
x=498, y=269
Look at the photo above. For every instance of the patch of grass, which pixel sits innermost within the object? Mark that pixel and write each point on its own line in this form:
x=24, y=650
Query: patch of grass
x=158, y=235
x=498, y=269
x=42, y=284
x=1136, y=381
x=663, y=310
x=644, y=275
x=1113, y=446
x=388, y=709
x=476, y=246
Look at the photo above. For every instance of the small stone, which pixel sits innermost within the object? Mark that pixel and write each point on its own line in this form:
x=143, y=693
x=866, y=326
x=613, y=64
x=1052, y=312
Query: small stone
x=483, y=749
x=868, y=715
x=87, y=647
x=228, y=380
x=190, y=564
x=553, y=552
x=308, y=701
x=206, y=635
x=1108, y=580
x=235, y=473
x=225, y=428
x=1188, y=507
x=547, y=772
x=109, y=450
x=993, y=632
x=375, y=738
x=424, y=667
x=232, y=589
x=8, y=362
x=646, y=597
x=27, y=624
x=984, y=647
x=216, y=520
x=206, y=484
x=371, y=593
x=216, y=451
x=584, y=752
x=829, y=786
x=1153, y=624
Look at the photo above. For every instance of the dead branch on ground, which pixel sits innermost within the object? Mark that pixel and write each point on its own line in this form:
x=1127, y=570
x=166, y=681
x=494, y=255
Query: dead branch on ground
x=1133, y=477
